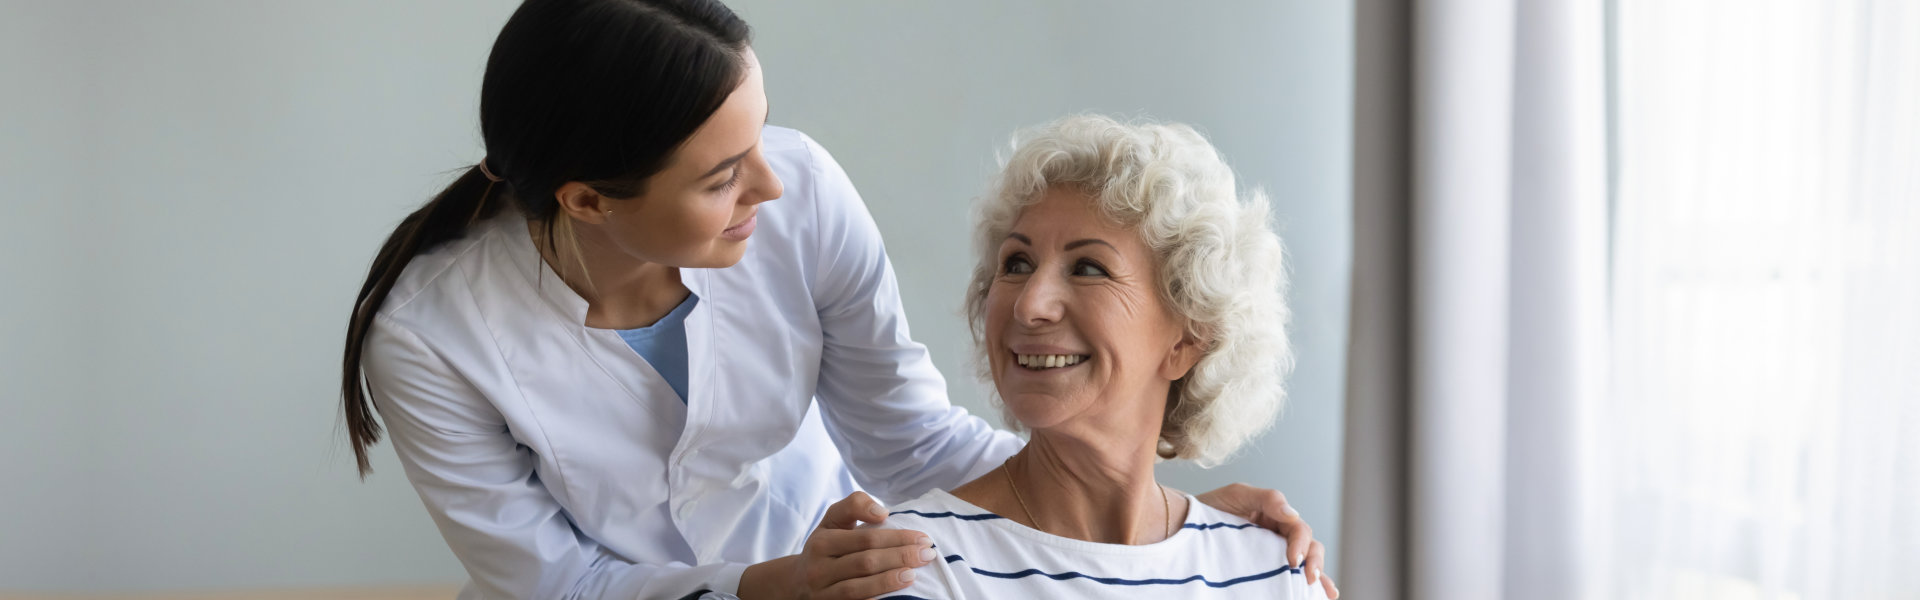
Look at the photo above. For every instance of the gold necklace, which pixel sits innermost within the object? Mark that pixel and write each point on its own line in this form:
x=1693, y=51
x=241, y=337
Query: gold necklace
x=1166, y=508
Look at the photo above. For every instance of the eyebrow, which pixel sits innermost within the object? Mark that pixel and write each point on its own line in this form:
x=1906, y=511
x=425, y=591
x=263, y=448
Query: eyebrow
x=730, y=161
x=1070, y=245
x=735, y=159
x=1086, y=242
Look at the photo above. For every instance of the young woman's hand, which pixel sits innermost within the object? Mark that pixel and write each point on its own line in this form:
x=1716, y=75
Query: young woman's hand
x=1269, y=509
x=840, y=562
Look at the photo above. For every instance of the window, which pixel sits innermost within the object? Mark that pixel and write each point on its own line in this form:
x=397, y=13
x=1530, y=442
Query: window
x=1762, y=439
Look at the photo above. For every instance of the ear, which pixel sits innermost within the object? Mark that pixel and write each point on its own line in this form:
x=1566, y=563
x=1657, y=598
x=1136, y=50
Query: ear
x=580, y=201
x=1183, y=356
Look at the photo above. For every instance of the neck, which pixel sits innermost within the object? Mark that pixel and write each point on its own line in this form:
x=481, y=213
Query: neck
x=622, y=292
x=1090, y=491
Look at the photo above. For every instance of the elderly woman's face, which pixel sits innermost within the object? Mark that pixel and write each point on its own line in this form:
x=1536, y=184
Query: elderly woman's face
x=1075, y=326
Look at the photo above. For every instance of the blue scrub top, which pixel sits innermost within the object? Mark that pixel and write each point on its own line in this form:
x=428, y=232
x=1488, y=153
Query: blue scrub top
x=664, y=345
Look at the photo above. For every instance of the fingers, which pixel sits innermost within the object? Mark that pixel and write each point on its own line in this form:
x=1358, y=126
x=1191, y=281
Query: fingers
x=835, y=543
x=866, y=573
x=1316, y=558
x=1275, y=505
x=871, y=586
x=1300, y=541
x=866, y=564
x=851, y=511
x=1279, y=516
x=1333, y=591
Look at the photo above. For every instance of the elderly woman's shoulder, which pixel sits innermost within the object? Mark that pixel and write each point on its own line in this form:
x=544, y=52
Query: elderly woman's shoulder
x=1222, y=527
x=1222, y=539
x=934, y=511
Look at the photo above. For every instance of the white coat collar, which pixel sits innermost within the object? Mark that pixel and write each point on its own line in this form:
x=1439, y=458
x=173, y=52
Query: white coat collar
x=512, y=227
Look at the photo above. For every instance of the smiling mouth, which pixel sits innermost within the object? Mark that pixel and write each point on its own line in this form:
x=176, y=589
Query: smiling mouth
x=1042, y=362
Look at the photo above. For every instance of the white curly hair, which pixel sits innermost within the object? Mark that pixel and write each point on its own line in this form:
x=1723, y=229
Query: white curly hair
x=1219, y=263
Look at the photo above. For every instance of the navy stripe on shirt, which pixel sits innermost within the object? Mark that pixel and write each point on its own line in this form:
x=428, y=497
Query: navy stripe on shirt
x=1206, y=526
x=948, y=515
x=1117, y=581
x=991, y=516
x=1127, y=582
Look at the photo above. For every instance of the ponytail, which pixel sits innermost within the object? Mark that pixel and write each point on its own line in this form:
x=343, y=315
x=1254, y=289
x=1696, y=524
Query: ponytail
x=445, y=218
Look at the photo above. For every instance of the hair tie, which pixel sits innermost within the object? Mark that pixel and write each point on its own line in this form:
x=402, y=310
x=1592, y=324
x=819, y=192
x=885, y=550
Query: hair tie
x=488, y=173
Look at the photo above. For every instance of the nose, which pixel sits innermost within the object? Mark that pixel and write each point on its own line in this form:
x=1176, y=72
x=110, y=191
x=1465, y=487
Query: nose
x=1041, y=301
x=765, y=184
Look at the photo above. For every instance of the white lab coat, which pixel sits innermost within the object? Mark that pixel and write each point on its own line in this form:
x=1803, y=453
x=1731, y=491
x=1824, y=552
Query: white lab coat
x=558, y=463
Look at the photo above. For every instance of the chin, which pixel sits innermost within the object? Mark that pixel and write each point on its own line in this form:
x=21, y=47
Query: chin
x=1035, y=411
x=723, y=256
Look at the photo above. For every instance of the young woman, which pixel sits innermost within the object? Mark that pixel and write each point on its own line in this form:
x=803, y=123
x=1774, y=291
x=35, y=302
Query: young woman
x=601, y=389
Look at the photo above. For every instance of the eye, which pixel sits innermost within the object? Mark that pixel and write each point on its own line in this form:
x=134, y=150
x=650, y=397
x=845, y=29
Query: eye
x=1016, y=265
x=731, y=181
x=1088, y=268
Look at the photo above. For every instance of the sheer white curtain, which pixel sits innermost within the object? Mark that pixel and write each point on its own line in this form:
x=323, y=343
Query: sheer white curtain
x=1732, y=409
x=1762, y=439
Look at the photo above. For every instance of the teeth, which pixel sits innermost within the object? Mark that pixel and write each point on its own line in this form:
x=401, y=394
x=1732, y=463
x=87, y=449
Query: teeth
x=1048, y=361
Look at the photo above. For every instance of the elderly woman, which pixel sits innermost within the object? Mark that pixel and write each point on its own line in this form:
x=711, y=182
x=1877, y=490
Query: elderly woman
x=1128, y=306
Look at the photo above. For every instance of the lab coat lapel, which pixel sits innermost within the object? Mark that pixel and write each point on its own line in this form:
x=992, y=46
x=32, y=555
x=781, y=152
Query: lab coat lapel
x=700, y=348
x=630, y=373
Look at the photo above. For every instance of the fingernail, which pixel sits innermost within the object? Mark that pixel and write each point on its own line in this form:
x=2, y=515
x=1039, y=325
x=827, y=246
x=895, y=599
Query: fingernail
x=924, y=541
x=906, y=576
x=1316, y=576
x=926, y=555
x=1291, y=512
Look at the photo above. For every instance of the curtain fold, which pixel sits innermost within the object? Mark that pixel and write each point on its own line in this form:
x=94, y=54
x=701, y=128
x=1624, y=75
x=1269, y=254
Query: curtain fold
x=1478, y=289
x=1373, y=557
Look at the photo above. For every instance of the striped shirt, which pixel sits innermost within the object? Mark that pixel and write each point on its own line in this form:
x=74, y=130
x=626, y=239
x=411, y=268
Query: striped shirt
x=987, y=556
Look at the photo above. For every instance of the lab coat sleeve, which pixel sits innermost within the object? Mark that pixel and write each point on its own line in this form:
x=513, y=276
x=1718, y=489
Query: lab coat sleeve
x=885, y=403
x=481, y=489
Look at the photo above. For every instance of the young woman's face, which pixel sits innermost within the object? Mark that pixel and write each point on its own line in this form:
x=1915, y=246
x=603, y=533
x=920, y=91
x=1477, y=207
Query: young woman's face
x=699, y=211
